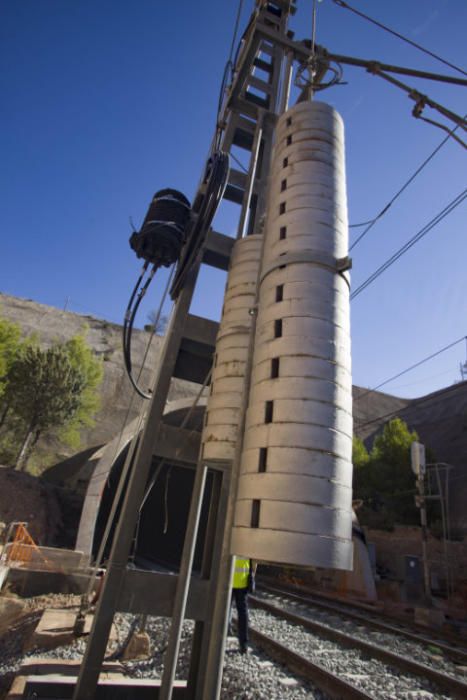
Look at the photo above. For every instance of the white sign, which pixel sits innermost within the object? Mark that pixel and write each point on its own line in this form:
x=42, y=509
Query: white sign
x=417, y=454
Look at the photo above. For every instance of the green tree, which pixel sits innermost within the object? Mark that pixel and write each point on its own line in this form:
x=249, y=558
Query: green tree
x=44, y=392
x=360, y=455
x=83, y=359
x=10, y=334
x=393, y=444
x=385, y=482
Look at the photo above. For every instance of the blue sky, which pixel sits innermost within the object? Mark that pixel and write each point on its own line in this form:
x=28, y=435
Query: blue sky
x=104, y=102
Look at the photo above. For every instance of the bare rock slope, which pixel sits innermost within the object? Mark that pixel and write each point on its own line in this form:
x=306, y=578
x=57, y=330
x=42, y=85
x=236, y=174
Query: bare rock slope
x=119, y=402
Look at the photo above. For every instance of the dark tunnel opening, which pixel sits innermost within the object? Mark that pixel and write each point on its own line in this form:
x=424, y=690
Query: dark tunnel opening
x=163, y=519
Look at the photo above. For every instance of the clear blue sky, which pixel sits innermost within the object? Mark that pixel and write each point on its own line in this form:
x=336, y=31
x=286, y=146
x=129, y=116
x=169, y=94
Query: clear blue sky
x=105, y=101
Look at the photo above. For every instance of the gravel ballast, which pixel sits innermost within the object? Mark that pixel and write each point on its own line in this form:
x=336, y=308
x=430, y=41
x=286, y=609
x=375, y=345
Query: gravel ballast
x=254, y=675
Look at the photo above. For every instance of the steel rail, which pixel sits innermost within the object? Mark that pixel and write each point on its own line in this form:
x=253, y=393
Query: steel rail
x=457, y=688
x=325, y=680
x=453, y=652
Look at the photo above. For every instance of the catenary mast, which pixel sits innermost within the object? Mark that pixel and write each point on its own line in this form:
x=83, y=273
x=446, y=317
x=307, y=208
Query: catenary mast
x=278, y=421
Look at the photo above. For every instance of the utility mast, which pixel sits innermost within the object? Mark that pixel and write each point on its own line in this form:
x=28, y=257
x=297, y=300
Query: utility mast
x=250, y=107
x=277, y=438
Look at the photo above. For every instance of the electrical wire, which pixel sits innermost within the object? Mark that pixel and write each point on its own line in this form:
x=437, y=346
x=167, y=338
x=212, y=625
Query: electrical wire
x=129, y=319
x=166, y=502
x=409, y=369
x=216, y=177
x=235, y=32
x=227, y=76
x=128, y=461
x=132, y=447
x=313, y=30
x=163, y=461
x=239, y=163
x=440, y=126
x=346, y=6
x=363, y=223
x=417, y=237
x=434, y=397
x=157, y=318
x=369, y=224
x=421, y=100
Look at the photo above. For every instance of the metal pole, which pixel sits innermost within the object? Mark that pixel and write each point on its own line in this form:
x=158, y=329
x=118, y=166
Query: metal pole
x=183, y=583
x=251, y=181
x=426, y=572
x=443, y=518
x=285, y=95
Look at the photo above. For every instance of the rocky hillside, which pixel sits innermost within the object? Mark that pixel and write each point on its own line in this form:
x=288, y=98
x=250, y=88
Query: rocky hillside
x=119, y=402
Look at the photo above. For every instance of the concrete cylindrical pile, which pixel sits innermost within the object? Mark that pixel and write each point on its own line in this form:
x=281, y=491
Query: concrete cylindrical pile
x=222, y=416
x=294, y=503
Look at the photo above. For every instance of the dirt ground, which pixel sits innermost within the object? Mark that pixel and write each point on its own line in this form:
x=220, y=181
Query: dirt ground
x=20, y=617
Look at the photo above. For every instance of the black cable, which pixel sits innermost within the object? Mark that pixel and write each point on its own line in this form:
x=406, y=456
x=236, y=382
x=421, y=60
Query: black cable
x=227, y=76
x=234, y=36
x=217, y=173
x=128, y=323
x=346, y=6
x=418, y=236
x=364, y=223
x=239, y=163
x=369, y=224
x=417, y=364
x=135, y=288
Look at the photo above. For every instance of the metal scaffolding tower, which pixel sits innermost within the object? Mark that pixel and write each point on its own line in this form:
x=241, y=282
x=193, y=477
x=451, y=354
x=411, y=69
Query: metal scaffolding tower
x=248, y=111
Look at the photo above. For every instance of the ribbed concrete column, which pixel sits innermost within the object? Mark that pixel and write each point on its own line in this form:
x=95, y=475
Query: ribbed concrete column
x=222, y=416
x=294, y=501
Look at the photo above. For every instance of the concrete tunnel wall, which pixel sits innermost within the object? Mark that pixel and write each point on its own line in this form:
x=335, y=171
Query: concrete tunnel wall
x=180, y=454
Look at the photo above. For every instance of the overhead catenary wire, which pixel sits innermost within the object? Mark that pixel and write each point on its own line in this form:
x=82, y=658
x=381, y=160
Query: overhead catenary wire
x=421, y=101
x=433, y=397
x=443, y=127
x=346, y=6
x=409, y=369
x=369, y=224
x=417, y=237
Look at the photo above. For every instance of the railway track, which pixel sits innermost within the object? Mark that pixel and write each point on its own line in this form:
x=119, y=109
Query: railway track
x=451, y=645
x=345, y=658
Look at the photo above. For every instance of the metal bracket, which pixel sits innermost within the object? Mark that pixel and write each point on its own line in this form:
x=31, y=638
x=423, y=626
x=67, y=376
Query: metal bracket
x=315, y=257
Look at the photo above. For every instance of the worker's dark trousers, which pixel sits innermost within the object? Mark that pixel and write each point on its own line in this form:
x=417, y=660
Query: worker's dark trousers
x=240, y=595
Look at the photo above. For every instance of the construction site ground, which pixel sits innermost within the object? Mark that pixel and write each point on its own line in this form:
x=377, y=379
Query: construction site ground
x=19, y=619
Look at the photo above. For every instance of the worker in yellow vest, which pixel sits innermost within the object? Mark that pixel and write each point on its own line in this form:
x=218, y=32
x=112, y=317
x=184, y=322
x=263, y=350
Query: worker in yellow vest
x=242, y=583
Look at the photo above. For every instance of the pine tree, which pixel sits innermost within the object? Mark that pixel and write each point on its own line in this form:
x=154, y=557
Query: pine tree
x=44, y=390
x=10, y=334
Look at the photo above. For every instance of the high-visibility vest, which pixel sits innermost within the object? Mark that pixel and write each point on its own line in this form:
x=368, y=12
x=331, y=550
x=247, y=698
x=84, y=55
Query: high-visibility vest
x=241, y=572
